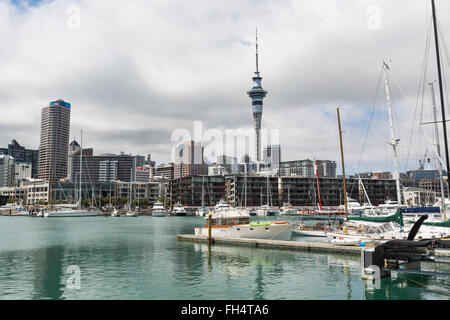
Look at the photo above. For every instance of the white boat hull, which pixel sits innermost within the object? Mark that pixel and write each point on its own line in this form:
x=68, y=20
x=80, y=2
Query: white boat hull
x=306, y=233
x=158, y=214
x=272, y=232
x=70, y=214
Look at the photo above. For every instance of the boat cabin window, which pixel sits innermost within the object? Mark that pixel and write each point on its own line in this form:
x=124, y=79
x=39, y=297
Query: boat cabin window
x=230, y=221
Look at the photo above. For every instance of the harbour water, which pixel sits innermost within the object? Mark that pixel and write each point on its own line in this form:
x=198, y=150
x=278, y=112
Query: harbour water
x=140, y=258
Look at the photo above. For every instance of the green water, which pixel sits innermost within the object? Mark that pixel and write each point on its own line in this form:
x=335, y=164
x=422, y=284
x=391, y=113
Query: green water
x=141, y=258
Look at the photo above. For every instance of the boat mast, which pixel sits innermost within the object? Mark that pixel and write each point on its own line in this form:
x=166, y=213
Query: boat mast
x=395, y=142
x=318, y=187
x=444, y=121
x=245, y=186
x=203, y=191
x=343, y=164
x=438, y=147
x=81, y=167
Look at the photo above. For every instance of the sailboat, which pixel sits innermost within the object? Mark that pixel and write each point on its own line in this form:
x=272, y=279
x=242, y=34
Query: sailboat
x=267, y=209
x=287, y=209
x=130, y=212
x=202, y=212
x=71, y=210
x=115, y=212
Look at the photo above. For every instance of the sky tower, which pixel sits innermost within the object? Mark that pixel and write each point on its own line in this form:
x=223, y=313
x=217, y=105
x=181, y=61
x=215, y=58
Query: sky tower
x=257, y=94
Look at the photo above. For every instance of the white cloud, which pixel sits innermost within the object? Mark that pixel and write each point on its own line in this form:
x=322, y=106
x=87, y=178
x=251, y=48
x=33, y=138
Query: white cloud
x=135, y=72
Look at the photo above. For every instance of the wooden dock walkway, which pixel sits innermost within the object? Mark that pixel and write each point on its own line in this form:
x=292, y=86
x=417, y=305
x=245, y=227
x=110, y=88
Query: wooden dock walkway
x=277, y=244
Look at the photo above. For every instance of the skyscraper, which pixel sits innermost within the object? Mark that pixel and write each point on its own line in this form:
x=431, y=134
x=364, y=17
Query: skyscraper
x=257, y=94
x=272, y=156
x=22, y=155
x=54, y=143
x=7, y=166
x=189, y=160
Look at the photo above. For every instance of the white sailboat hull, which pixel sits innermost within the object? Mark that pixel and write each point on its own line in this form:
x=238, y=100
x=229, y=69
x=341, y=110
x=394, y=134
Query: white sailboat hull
x=70, y=214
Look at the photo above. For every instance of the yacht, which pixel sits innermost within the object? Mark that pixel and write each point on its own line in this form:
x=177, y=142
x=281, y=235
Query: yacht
x=353, y=207
x=202, y=212
x=158, y=210
x=267, y=211
x=132, y=213
x=232, y=223
x=321, y=230
x=69, y=211
x=222, y=205
x=115, y=213
x=179, y=211
x=288, y=210
x=13, y=209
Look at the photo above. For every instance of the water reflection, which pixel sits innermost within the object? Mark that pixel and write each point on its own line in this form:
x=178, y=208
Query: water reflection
x=48, y=280
x=408, y=287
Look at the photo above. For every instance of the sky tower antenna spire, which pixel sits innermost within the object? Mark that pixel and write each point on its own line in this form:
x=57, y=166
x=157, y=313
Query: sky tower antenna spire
x=257, y=53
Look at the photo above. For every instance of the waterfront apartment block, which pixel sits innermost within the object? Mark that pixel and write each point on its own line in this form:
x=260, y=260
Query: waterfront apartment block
x=260, y=191
x=22, y=155
x=54, y=141
x=189, y=191
x=35, y=192
x=31, y=192
x=303, y=192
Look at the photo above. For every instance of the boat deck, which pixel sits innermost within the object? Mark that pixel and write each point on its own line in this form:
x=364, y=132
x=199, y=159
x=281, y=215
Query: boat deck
x=277, y=244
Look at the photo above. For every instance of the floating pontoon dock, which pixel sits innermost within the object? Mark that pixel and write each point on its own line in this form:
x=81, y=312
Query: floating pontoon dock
x=277, y=244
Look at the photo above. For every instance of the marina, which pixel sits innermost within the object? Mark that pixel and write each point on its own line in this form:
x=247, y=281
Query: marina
x=236, y=206
x=116, y=254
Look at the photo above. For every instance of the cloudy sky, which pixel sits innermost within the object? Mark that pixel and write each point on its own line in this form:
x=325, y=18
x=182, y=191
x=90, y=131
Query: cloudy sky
x=135, y=72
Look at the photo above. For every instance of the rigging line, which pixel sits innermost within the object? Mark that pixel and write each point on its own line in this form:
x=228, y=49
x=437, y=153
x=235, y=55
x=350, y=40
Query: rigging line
x=447, y=55
x=421, y=89
x=370, y=116
x=368, y=123
x=444, y=43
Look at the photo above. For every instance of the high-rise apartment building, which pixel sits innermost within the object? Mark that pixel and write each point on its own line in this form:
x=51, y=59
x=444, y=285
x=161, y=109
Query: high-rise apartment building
x=54, y=142
x=189, y=160
x=165, y=171
x=272, y=156
x=7, y=171
x=305, y=168
x=22, y=155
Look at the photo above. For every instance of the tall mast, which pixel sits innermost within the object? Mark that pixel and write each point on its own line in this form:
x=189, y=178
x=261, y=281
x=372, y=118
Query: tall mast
x=438, y=147
x=203, y=191
x=438, y=60
x=245, y=186
x=343, y=163
x=394, y=142
x=81, y=166
x=318, y=187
